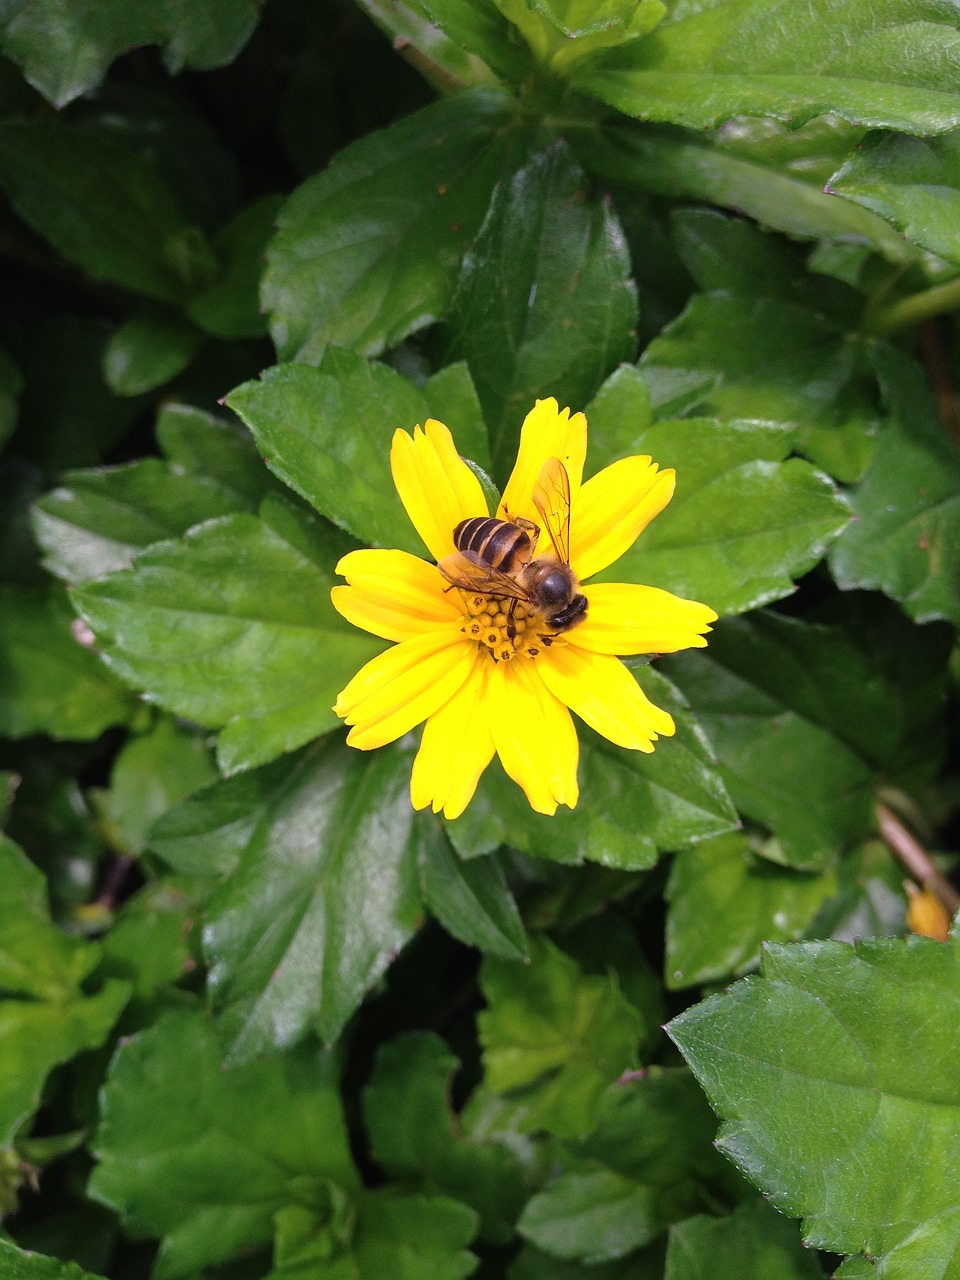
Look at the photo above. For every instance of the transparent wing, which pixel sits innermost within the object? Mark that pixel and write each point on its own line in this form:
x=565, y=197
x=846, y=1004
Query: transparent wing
x=469, y=572
x=551, y=497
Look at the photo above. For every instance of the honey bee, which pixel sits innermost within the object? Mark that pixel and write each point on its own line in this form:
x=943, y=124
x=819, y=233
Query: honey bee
x=497, y=558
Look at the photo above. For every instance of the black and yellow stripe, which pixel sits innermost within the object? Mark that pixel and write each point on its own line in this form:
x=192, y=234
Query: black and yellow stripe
x=498, y=543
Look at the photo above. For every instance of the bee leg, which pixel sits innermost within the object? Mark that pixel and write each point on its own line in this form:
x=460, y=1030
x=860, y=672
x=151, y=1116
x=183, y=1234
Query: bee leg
x=511, y=625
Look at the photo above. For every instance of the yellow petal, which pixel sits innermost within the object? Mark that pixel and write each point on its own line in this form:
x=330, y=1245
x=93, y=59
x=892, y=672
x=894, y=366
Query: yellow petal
x=393, y=594
x=399, y=688
x=457, y=746
x=534, y=735
x=603, y=693
x=435, y=485
x=547, y=432
x=627, y=618
x=613, y=509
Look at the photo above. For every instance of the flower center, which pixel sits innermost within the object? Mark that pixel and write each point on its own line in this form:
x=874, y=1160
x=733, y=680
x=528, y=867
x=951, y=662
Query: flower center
x=488, y=620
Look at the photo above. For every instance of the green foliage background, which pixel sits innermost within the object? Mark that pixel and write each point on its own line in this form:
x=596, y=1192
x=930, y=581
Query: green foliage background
x=259, y=1019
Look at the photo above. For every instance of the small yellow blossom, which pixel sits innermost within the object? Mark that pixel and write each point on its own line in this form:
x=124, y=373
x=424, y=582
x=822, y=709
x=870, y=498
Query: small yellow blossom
x=489, y=681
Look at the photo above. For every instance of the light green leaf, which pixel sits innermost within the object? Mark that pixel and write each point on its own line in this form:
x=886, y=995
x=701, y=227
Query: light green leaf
x=45, y=1018
x=889, y=65
x=912, y=182
x=206, y=1168
x=813, y=1066
x=554, y=1037
x=478, y=26
x=96, y=521
x=327, y=434
x=906, y=536
x=549, y=262
x=19, y=1264
x=50, y=681
x=414, y=194
x=66, y=48
x=414, y=1134
x=471, y=899
x=232, y=626
x=104, y=203
x=296, y=936
x=752, y=1243
x=634, y=804
x=148, y=351
x=725, y=900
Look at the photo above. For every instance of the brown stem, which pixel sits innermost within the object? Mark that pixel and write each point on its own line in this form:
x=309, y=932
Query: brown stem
x=915, y=858
x=938, y=375
x=113, y=880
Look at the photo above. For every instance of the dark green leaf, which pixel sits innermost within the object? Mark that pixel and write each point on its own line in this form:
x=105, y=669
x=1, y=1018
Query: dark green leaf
x=233, y=626
x=206, y=1168
x=912, y=182
x=648, y=1162
x=752, y=1243
x=414, y=1134
x=296, y=936
x=826, y=1044
x=906, y=536
x=148, y=351
x=554, y=1037
x=632, y=805
x=104, y=204
x=478, y=25
x=65, y=50
x=148, y=944
x=50, y=681
x=20, y=1265
x=45, y=1016
x=11, y=384
x=406, y=1238
x=414, y=195
x=452, y=398
x=888, y=65
x=679, y=164
x=471, y=899
x=549, y=262
x=230, y=307
x=725, y=900
x=327, y=434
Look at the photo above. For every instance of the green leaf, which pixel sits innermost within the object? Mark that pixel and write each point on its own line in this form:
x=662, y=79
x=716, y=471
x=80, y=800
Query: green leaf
x=633, y=804
x=50, y=681
x=453, y=399
x=415, y=194
x=743, y=522
x=471, y=899
x=648, y=1162
x=96, y=521
x=782, y=700
x=206, y=1168
x=776, y=360
x=548, y=263
x=149, y=942
x=825, y=1045
x=906, y=536
x=564, y=32
x=554, y=1037
x=774, y=192
x=148, y=351
x=326, y=433
x=414, y=1134
x=25, y=1265
x=65, y=50
x=752, y=1243
x=230, y=306
x=103, y=202
x=45, y=1018
x=193, y=619
x=295, y=936
x=887, y=66
x=725, y=901
x=912, y=182
x=150, y=774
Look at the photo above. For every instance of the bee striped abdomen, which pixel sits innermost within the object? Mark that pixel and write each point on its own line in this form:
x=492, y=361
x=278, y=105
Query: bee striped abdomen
x=498, y=543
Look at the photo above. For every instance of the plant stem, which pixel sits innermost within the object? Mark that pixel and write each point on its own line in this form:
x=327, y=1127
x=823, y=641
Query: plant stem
x=915, y=858
x=918, y=306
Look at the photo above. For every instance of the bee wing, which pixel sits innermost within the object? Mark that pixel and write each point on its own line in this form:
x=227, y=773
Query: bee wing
x=551, y=497
x=469, y=572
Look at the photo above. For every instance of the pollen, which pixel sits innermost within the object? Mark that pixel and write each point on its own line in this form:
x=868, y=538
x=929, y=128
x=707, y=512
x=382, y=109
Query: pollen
x=488, y=621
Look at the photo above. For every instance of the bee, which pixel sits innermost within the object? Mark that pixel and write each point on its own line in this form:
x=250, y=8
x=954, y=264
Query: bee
x=497, y=558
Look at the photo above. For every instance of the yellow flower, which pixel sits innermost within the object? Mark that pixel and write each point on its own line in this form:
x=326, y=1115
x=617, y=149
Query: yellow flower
x=504, y=686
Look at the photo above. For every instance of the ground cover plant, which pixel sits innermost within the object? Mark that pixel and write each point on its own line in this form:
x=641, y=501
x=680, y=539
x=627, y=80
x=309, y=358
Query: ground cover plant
x=665, y=988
